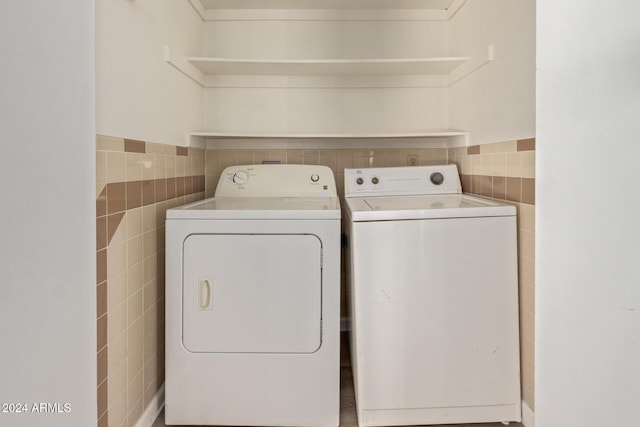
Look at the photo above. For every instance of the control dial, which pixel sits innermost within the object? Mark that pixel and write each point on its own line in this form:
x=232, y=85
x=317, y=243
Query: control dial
x=315, y=177
x=359, y=181
x=436, y=178
x=375, y=180
x=240, y=177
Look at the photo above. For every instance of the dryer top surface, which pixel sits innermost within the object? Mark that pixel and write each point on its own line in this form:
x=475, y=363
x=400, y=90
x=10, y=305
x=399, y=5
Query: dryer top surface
x=290, y=208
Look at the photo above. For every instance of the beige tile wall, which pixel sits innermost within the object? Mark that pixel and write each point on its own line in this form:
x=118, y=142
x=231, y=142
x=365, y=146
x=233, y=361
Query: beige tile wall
x=131, y=261
x=504, y=170
x=136, y=182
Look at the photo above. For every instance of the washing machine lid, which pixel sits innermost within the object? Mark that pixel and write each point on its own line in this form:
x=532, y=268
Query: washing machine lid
x=388, y=208
x=290, y=208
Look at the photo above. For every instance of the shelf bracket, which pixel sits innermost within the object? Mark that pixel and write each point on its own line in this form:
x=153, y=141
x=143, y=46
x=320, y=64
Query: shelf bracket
x=476, y=62
x=198, y=8
x=184, y=66
x=454, y=8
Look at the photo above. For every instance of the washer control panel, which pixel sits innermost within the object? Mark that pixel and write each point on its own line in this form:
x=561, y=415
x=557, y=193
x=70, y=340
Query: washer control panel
x=276, y=181
x=402, y=181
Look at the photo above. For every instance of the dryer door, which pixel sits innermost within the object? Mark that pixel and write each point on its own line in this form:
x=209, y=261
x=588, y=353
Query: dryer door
x=252, y=293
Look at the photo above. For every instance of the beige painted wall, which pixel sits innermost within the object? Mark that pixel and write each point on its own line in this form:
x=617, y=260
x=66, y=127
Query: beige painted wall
x=497, y=101
x=138, y=95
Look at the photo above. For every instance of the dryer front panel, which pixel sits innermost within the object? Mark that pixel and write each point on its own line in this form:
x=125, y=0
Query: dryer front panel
x=252, y=293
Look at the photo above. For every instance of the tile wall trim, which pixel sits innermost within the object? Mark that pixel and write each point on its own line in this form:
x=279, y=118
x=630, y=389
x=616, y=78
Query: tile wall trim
x=118, y=197
x=474, y=149
x=114, y=200
x=134, y=146
x=527, y=144
x=513, y=189
x=508, y=187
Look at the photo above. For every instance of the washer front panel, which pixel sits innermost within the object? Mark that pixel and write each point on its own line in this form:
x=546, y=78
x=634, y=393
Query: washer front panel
x=434, y=306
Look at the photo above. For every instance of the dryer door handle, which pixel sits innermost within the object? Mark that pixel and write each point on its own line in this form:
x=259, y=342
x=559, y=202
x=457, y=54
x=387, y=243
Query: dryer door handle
x=205, y=287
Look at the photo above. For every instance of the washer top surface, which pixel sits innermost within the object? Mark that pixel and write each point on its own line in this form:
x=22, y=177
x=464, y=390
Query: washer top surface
x=424, y=207
x=268, y=192
x=417, y=192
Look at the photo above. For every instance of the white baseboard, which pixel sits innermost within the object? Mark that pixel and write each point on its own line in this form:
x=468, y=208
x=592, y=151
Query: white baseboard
x=528, y=416
x=152, y=410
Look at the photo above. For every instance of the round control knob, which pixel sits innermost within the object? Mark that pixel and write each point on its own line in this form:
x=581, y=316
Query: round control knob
x=375, y=180
x=359, y=181
x=436, y=178
x=315, y=177
x=240, y=177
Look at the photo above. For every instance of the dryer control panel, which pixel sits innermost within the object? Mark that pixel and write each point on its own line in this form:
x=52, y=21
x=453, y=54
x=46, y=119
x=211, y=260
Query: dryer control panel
x=276, y=181
x=402, y=181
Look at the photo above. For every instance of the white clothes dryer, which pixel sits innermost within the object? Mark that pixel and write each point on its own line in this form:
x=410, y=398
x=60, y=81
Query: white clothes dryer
x=253, y=301
x=433, y=297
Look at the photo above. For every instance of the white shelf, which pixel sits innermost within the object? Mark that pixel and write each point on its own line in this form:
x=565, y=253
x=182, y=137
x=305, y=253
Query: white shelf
x=382, y=83
x=317, y=67
x=254, y=140
x=451, y=68
x=333, y=10
x=267, y=135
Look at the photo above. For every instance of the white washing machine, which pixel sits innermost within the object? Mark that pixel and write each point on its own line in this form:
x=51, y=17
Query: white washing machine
x=253, y=301
x=434, y=299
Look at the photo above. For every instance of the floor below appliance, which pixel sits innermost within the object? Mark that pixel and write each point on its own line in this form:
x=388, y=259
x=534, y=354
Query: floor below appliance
x=348, y=416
